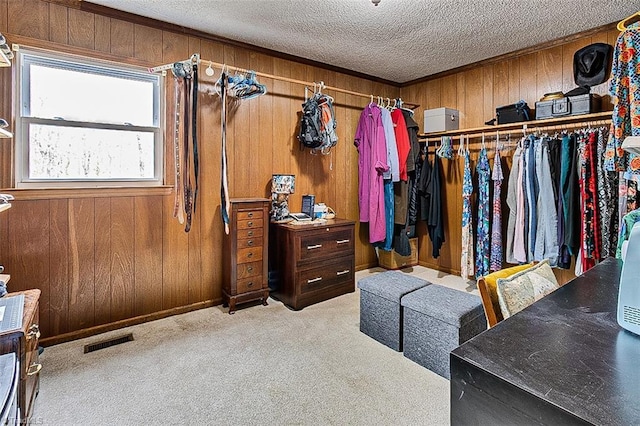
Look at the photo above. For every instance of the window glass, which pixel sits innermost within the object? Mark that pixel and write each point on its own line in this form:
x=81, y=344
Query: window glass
x=57, y=152
x=84, y=120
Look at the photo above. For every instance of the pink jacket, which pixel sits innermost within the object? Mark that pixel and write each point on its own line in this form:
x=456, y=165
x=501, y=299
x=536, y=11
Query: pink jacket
x=372, y=163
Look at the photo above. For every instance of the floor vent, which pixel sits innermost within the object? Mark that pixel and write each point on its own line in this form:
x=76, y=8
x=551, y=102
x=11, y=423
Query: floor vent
x=107, y=343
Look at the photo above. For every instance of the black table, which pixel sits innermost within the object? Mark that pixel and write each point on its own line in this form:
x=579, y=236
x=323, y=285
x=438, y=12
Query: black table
x=562, y=360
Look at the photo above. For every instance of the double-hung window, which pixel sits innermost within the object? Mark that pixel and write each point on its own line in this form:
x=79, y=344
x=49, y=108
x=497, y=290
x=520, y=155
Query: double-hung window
x=86, y=123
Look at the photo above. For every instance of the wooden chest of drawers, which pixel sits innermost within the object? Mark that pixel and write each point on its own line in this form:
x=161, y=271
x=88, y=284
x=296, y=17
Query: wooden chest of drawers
x=313, y=262
x=245, y=252
x=24, y=343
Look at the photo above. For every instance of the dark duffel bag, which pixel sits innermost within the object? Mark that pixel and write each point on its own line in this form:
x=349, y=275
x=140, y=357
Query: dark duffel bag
x=513, y=113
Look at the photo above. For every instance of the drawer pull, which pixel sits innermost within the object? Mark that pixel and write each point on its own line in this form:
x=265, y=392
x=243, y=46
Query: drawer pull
x=250, y=223
x=34, y=331
x=250, y=215
x=250, y=284
x=34, y=369
x=342, y=241
x=346, y=271
x=250, y=233
x=250, y=268
x=250, y=255
x=249, y=242
x=314, y=247
x=314, y=280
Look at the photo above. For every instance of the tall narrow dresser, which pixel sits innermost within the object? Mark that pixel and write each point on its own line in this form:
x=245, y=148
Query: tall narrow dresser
x=245, y=253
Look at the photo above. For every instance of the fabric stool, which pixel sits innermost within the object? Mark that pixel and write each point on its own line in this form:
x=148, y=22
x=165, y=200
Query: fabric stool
x=438, y=319
x=380, y=309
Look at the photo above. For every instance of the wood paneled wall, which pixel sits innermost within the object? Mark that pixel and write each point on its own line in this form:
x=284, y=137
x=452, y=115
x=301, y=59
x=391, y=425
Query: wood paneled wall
x=105, y=258
x=108, y=258
x=476, y=93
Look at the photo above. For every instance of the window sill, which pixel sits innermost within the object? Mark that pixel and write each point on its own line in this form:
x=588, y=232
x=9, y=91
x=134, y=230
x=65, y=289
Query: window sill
x=53, y=193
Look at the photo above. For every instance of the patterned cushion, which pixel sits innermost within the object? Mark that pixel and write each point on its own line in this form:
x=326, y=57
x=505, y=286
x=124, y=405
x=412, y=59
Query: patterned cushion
x=492, y=278
x=523, y=288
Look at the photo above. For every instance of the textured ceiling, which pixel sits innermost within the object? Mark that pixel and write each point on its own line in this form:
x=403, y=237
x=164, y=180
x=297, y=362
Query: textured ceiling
x=398, y=40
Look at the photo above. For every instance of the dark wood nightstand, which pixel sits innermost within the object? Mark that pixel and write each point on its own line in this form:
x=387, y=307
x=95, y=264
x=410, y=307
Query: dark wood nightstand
x=313, y=262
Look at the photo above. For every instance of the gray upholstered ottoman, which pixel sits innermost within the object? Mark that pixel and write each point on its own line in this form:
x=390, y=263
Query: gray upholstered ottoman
x=438, y=319
x=380, y=309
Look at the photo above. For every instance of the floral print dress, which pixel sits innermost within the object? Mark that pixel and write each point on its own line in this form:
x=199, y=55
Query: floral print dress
x=482, y=242
x=625, y=92
x=466, y=263
x=496, y=224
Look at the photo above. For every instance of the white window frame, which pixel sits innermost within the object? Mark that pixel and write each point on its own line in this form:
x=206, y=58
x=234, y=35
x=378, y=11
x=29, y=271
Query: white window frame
x=27, y=55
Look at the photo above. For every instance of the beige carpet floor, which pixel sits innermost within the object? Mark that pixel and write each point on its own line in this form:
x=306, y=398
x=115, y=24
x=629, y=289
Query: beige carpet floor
x=263, y=365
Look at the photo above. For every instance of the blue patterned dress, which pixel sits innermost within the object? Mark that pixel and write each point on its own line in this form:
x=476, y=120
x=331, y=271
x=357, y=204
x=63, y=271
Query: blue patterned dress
x=496, y=225
x=466, y=262
x=483, y=237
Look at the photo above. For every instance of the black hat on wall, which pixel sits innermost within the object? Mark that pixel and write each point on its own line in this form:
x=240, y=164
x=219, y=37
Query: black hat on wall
x=592, y=64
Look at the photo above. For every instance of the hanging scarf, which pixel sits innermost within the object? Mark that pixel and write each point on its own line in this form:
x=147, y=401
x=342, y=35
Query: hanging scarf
x=466, y=261
x=482, y=238
x=496, y=226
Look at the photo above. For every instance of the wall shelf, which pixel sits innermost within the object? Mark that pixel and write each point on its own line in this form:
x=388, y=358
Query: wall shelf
x=533, y=124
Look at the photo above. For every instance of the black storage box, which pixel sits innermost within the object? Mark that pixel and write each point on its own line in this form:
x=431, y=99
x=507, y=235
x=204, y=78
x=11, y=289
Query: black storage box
x=572, y=105
x=585, y=104
x=513, y=113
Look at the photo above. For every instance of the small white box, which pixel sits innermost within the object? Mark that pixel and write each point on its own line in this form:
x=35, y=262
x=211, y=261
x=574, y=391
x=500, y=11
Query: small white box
x=441, y=120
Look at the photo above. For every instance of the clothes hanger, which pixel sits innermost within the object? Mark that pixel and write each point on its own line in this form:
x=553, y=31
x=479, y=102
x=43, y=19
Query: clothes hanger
x=483, y=144
x=461, y=146
x=622, y=25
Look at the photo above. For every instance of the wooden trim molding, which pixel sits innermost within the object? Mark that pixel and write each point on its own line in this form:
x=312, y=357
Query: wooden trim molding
x=512, y=55
x=51, y=46
x=57, y=193
x=92, y=331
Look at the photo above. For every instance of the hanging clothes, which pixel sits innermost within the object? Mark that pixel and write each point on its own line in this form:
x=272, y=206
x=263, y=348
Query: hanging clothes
x=402, y=141
x=628, y=221
x=390, y=176
x=466, y=260
x=625, y=92
x=531, y=191
x=372, y=163
x=589, y=201
x=412, y=130
x=512, y=203
x=401, y=189
x=571, y=193
x=607, y=196
x=519, y=237
x=413, y=164
x=435, y=222
x=483, y=250
x=546, y=241
x=496, y=225
x=422, y=184
x=392, y=148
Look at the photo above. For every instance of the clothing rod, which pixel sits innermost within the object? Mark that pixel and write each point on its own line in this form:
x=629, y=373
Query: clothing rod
x=524, y=130
x=197, y=59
